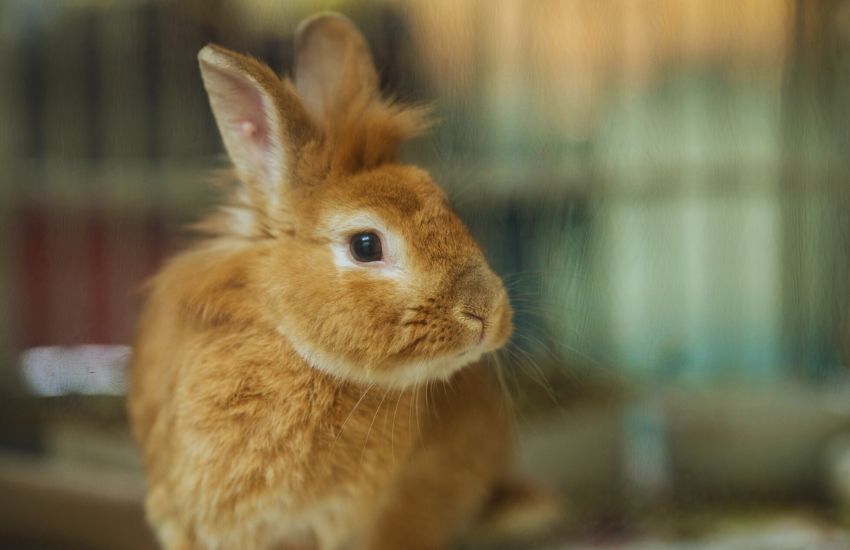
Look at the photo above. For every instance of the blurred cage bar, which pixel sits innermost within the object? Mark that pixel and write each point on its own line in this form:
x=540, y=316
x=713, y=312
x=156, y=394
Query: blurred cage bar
x=95, y=118
x=107, y=143
x=663, y=185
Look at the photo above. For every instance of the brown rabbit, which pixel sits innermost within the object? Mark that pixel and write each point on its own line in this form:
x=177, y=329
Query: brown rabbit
x=308, y=375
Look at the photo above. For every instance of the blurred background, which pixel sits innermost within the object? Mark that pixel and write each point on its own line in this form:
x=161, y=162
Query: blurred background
x=663, y=185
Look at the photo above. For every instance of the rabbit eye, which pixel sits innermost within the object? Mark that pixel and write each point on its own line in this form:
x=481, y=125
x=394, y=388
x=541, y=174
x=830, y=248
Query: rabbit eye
x=366, y=247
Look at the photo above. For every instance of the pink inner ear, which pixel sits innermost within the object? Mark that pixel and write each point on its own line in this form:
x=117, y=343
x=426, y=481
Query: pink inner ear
x=248, y=114
x=248, y=128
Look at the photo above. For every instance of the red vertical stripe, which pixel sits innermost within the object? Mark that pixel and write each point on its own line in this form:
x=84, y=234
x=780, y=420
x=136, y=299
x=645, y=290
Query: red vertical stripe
x=74, y=280
x=33, y=277
x=98, y=277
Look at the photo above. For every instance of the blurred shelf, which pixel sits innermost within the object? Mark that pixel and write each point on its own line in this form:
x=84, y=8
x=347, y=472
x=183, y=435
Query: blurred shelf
x=48, y=502
x=124, y=186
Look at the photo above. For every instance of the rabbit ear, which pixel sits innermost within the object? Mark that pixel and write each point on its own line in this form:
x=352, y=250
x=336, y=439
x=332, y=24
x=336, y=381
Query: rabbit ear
x=260, y=118
x=333, y=66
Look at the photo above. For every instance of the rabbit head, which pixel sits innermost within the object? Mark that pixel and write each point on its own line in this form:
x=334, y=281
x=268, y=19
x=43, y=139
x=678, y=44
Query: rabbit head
x=359, y=261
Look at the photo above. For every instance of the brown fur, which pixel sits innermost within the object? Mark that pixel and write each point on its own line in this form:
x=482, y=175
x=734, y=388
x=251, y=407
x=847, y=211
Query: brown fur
x=280, y=398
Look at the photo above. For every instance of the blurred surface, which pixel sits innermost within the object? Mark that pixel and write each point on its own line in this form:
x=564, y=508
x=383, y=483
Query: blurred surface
x=663, y=186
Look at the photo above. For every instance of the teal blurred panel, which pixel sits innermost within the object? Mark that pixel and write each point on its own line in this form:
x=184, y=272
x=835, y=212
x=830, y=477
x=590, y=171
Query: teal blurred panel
x=691, y=222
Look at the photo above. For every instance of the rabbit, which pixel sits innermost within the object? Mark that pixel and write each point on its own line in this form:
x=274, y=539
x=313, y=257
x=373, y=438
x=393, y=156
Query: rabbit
x=310, y=374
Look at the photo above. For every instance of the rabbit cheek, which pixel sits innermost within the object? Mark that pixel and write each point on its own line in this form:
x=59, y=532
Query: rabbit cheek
x=358, y=324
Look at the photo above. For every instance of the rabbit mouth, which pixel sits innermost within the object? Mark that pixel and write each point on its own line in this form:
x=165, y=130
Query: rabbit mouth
x=468, y=354
x=479, y=343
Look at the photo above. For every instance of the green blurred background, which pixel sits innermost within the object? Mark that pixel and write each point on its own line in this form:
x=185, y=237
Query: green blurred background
x=663, y=185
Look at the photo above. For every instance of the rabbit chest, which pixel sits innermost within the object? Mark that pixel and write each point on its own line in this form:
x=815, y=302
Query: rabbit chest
x=257, y=437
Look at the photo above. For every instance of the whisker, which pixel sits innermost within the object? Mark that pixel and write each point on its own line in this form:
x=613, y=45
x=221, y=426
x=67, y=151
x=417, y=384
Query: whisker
x=540, y=377
x=508, y=400
x=401, y=394
x=344, y=422
x=369, y=431
x=416, y=413
x=427, y=392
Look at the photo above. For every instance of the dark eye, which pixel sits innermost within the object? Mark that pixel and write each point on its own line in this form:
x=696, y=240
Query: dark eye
x=366, y=247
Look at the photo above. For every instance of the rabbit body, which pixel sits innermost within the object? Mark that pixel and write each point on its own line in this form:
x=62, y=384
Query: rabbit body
x=246, y=445
x=309, y=375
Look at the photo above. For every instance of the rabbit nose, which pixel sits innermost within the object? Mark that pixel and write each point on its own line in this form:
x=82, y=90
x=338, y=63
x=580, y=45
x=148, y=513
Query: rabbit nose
x=475, y=321
x=474, y=288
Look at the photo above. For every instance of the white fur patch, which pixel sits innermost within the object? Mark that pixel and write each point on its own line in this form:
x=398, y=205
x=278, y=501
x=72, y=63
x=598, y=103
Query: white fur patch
x=405, y=376
x=242, y=221
x=343, y=226
x=408, y=375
